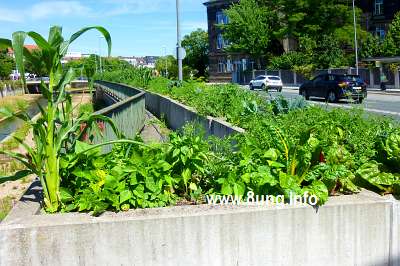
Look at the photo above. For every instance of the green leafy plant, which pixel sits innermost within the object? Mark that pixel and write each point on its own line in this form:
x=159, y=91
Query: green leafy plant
x=56, y=131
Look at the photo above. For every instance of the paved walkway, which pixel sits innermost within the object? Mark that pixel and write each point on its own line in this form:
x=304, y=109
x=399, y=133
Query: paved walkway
x=154, y=130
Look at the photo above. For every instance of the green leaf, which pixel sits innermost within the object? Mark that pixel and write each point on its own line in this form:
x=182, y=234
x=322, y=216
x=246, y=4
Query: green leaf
x=18, y=47
x=125, y=196
x=102, y=30
x=66, y=195
x=318, y=189
x=246, y=178
x=111, y=182
x=18, y=175
x=226, y=189
x=193, y=186
x=271, y=154
x=288, y=181
x=186, y=176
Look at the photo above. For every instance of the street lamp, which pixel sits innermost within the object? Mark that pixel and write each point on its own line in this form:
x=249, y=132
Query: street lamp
x=166, y=61
x=179, y=43
x=355, y=36
x=101, y=67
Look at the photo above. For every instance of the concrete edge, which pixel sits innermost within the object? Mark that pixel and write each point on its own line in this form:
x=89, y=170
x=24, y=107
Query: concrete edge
x=27, y=212
x=210, y=119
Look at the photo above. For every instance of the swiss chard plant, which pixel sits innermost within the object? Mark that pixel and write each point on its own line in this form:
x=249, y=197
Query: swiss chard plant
x=56, y=132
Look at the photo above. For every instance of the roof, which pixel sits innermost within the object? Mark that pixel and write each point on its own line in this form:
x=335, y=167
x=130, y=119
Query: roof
x=30, y=47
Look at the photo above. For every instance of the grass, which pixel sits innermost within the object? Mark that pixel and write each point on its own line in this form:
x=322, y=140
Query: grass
x=17, y=103
x=20, y=133
x=5, y=207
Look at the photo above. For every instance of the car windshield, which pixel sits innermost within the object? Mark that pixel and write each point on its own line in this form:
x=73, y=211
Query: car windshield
x=274, y=78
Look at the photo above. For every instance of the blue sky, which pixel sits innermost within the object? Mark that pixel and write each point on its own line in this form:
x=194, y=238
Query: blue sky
x=137, y=27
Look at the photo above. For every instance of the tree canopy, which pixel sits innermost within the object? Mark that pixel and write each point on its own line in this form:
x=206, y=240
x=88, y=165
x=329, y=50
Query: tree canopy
x=7, y=64
x=258, y=27
x=197, y=47
x=251, y=27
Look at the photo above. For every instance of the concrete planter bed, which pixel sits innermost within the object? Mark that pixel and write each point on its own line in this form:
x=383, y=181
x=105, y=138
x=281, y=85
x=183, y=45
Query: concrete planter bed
x=177, y=115
x=358, y=229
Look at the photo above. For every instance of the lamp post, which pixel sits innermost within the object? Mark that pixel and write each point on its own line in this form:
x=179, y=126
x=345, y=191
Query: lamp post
x=355, y=36
x=101, y=67
x=166, y=61
x=179, y=43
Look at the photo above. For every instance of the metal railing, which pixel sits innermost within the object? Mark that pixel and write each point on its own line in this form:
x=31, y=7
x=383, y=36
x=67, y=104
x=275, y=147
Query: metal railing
x=126, y=107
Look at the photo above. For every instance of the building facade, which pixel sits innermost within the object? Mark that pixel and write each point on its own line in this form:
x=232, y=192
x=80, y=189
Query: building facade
x=223, y=66
x=227, y=67
x=378, y=14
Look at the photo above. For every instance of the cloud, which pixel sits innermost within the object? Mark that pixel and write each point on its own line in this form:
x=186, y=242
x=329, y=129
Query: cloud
x=125, y=7
x=9, y=15
x=57, y=8
x=44, y=9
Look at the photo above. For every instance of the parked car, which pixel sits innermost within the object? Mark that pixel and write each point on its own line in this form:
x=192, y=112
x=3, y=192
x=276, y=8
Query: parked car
x=334, y=87
x=266, y=83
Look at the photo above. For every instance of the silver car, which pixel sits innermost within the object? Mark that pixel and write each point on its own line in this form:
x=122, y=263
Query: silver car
x=266, y=82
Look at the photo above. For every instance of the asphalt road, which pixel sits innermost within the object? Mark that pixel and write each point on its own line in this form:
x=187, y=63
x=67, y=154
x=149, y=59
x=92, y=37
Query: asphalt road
x=387, y=104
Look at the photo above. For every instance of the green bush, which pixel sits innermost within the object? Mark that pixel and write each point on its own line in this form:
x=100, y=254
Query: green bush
x=288, y=147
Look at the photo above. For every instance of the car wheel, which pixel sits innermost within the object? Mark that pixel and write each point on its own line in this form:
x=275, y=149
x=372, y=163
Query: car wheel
x=279, y=89
x=332, y=97
x=263, y=87
x=251, y=87
x=305, y=94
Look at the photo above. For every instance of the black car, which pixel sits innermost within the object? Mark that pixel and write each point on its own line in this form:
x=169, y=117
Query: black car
x=334, y=87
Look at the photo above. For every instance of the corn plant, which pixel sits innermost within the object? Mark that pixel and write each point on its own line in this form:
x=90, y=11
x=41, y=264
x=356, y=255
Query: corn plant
x=56, y=131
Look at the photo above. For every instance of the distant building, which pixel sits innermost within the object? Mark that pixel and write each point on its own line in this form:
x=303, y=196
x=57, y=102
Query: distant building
x=151, y=61
x=30, y=47
x=222, y=65
x=71, y=56
x=130, y=59
x=378, y=14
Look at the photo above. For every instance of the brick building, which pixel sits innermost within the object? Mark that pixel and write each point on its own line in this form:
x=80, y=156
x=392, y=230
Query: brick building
x=378, y=14
x=222, y=65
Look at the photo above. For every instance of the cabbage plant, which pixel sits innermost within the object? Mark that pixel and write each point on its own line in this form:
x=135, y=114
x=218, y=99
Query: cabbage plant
x=56, y=131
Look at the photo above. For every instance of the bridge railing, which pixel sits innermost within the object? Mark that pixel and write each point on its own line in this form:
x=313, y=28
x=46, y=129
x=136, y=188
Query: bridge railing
x=125, y=106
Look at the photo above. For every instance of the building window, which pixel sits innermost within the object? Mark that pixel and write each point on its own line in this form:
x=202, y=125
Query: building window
x=221, y=42
x=380, y=31
x=378, y=7
x=222, y=66
x=222, y=18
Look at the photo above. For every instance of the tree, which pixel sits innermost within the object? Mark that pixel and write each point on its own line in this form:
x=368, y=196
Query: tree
x=6, y=65
x=371, y=47
x=391, y=44
x=197, y=46
x=250, y=28
x=169, y=63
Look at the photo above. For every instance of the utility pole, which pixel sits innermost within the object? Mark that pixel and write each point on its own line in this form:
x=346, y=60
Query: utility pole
x=179, y=43
x=166, y=61
x=101, y=67
x=355, y=36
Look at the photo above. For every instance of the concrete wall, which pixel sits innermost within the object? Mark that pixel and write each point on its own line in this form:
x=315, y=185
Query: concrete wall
x=177, y=115
x=349, y=230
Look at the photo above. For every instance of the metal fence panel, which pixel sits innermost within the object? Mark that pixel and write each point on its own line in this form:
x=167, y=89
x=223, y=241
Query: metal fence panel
x=127, y=112
x=287, y=77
